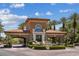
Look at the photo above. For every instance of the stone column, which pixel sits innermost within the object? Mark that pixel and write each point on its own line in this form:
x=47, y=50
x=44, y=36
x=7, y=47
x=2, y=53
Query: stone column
x=43, y=36
x=34, y=36
x=24, y=44
x=43, y=39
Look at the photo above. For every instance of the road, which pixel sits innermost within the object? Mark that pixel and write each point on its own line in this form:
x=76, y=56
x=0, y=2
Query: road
x=31, y=52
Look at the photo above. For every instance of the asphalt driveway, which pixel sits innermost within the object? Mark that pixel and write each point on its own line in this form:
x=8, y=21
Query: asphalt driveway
x=31, y=52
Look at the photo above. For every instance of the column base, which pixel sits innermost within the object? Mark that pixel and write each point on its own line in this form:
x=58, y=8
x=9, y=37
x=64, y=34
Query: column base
x=24, y=44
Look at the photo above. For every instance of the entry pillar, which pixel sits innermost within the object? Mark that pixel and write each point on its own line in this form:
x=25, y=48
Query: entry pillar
x=34, y=36
x=24, y=45
x=43, y=36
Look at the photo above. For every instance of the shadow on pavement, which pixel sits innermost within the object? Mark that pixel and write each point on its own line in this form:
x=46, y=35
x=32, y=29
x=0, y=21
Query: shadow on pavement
x=14, y=46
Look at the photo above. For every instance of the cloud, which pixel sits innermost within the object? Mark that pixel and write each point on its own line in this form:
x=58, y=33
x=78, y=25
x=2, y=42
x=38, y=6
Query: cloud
x=4, y=11
x=8, y=23
x=8, y=18
x=37, y=13
x=49, y=13
x=65, y=10
x=17, y=5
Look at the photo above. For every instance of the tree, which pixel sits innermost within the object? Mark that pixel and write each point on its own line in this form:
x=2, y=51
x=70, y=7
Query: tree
x=21, y=26
x=49, y=25
x=52, y=23
x=74, y=17
x=1, y=29
x=63, y=21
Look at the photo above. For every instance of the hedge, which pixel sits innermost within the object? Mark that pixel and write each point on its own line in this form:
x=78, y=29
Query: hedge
x=40, y=47
x=43, y=47
x=7, y=46
x=30, y=46
x=57, y=47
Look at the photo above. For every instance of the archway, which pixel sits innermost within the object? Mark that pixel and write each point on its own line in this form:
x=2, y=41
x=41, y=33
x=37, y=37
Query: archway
x=15, y=42
x=38, y=28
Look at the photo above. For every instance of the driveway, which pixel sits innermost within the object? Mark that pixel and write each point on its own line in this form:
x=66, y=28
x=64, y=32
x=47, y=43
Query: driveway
x=31, y=52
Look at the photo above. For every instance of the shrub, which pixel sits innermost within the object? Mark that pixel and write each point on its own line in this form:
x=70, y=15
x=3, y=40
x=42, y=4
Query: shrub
x=30, y=43
x=40, y=47
x=7, y=46
x=57, y=47
x=30, y=46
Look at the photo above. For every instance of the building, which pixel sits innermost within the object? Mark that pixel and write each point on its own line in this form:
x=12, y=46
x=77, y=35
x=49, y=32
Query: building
x=35, y=29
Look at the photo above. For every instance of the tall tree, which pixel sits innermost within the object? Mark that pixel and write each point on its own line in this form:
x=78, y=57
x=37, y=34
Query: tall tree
x=74, y=17
x=49, y=25
x=63, y=21
x=21, y=26
x=52, y=23
x=1, y=29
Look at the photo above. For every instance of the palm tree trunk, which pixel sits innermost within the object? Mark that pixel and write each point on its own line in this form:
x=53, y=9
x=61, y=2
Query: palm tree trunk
x=54, y=27
x=63, y=27
x=24, y=45
x=74, y=27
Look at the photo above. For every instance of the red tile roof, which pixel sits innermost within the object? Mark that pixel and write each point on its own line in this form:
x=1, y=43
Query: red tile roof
x=55, y=31
x=17, y=30
x=43, y=19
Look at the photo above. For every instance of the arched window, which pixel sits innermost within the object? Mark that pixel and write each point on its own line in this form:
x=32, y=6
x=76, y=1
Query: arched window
x=38, y=28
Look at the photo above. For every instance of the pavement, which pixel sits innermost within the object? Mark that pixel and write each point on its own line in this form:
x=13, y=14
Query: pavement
x=30, y=52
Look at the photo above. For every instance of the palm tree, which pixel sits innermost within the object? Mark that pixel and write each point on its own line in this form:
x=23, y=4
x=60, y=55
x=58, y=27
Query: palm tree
x=63, y=21
x=54, y=23
x=21, y=26
x=74, y=17
x=1, y=29
x=49, y=25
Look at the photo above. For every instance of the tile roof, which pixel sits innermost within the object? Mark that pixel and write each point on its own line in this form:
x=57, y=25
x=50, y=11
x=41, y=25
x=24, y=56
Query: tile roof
x=15, y=30
x=55, y=31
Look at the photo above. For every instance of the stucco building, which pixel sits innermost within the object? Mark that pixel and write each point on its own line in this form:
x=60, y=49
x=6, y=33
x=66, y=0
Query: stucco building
x=35, y=29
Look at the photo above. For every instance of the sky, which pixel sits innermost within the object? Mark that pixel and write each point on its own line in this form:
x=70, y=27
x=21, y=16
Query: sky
x=13, y=14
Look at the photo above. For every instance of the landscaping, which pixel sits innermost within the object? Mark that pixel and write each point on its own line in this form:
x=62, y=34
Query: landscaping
x=47, y=47
x=57, y=47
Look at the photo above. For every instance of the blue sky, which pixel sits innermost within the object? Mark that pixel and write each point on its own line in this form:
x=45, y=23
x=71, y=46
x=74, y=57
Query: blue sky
x=11, y=15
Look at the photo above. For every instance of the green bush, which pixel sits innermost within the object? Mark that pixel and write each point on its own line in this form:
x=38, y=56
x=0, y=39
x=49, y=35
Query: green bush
x=30, y=46
x=8, y=46
x=57, y=47
x=39, y=47
x=30, y=43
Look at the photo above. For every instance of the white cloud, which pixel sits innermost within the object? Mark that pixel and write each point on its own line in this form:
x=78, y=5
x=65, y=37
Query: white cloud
x=65, y=10
x=37, y=13
x=49, y=13
x=8, y=22
x=17, y=5
x=4, y=11
x=8, y=18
